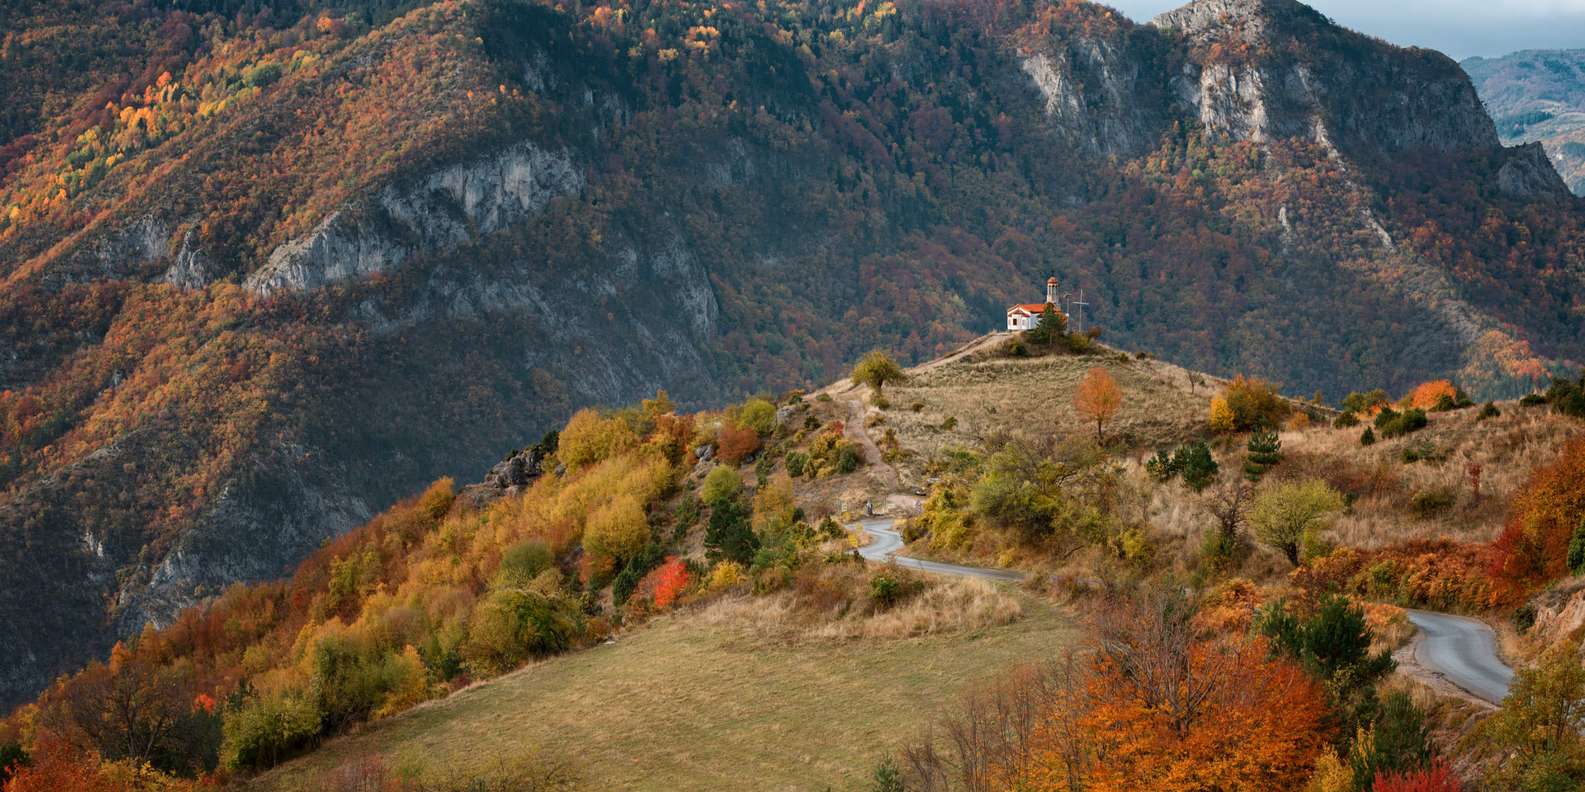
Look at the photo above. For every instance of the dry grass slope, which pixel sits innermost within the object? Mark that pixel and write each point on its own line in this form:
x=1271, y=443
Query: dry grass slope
x=987, y=396
x=691, y=704
x=1384, y=486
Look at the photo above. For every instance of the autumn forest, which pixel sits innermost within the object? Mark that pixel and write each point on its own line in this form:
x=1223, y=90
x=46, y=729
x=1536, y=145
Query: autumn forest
x=282, y=280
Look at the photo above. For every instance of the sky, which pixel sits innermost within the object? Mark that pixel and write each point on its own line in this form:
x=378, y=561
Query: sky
x=1460, y=28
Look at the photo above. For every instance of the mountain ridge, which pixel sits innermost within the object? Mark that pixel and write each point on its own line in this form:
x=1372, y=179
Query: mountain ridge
x=293, y=268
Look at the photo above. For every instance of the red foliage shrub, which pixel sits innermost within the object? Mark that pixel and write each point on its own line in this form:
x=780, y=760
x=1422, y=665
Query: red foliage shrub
x=57, y=767
x=1436, y=778
x=735, y=443
x=664, y=583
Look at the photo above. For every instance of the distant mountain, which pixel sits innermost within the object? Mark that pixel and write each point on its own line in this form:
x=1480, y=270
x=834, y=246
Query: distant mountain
x=267, y=265
x=1538, y=96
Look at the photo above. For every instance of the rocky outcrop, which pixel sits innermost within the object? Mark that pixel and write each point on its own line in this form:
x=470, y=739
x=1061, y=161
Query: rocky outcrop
x=116, y=251
x=189, y=267
x=1263, y=69
x=1538, y=96
x=441, y=211
x=1527, y=174
x=256, y=529
x=1559, y=613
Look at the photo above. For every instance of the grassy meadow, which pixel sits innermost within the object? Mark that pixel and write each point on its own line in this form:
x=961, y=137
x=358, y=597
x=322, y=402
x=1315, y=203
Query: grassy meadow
x=701, y=701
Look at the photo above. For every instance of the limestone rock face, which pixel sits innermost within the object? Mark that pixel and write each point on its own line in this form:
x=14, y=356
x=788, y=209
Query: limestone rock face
x=1559, y=611
x=1262, y=69
x=442, y=211
x=1097, y=96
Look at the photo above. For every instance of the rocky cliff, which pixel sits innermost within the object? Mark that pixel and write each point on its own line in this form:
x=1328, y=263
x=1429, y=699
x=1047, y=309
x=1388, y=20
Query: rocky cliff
x=258, y=279
x=1538, y=96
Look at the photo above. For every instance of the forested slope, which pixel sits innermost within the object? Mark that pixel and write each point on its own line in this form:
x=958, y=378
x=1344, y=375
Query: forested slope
x=268, y=265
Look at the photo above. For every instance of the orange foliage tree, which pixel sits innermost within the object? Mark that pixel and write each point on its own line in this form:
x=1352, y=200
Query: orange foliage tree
x=1547, y=515
x=735, y=443
x=1167, y=706
x=1427, y=395
x=1098, y=398
x=1259, y=725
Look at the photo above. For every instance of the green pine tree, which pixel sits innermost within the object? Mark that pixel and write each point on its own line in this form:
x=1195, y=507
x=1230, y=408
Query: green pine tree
x=1264, y=451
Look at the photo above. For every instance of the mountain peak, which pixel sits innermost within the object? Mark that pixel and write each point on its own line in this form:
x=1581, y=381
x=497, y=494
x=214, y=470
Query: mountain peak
x=1215, y=15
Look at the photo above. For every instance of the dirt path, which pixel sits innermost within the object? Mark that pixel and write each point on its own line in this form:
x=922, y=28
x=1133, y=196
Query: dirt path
x=961, y=352
x=873, y=459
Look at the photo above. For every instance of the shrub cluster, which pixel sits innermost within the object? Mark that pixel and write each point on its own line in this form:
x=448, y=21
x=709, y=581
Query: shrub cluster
x=1250, y=404
x=1193, y=461
x=1567, y=397
x=831, y=453
x=1440, y=575
x=1391, y=423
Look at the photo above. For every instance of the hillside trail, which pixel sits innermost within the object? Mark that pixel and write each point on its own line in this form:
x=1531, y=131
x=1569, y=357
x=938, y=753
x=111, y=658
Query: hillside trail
x=854, y=430
x=883, y=526
x=858, y=412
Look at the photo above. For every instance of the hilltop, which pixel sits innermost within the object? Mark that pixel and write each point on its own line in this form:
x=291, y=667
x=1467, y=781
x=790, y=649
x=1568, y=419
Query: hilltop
x=270, y=265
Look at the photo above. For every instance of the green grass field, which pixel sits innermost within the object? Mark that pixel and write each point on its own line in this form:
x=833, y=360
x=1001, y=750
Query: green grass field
x=686, y=704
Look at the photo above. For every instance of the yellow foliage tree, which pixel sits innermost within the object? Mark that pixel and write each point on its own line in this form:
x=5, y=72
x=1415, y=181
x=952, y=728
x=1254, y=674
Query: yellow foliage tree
x=774, y=510
x=618, y=529
x=588, y=438
x=1221, y=418
x=1331, y=774
x=876, y=369
x=409, y=683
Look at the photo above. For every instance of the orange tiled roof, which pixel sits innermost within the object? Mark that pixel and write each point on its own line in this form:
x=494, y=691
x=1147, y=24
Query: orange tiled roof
x=1033, y=308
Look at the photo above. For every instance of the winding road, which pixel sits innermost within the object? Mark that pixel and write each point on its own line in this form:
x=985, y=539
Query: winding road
x=885, y=542
x=1462, y=651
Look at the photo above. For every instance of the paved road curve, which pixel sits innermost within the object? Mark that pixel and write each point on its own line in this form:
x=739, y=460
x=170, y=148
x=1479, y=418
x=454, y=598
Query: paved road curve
x=1464, y=652
x=885, y=542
